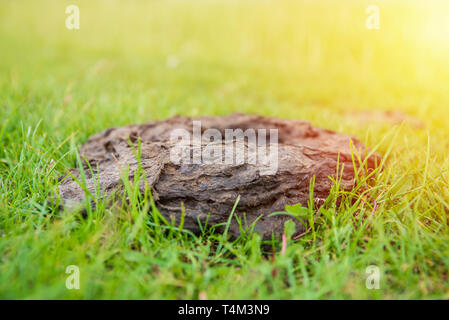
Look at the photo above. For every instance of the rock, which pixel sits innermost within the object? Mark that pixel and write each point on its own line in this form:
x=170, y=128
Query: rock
x=210, y=186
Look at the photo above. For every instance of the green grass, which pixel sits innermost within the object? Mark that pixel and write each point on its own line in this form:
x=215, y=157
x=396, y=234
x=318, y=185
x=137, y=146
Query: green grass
x=312, y=60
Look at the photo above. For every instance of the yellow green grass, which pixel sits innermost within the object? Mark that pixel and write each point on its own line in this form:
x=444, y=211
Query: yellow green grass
x=136, y=61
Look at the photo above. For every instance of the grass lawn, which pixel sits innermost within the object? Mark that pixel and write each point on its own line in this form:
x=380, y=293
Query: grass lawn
x=136, y=61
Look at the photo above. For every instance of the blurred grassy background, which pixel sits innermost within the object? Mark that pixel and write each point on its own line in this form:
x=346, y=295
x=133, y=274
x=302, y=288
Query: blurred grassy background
x=134, y=61
x=308, y=59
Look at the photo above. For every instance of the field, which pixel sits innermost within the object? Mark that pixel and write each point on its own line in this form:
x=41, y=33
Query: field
x=136, y=61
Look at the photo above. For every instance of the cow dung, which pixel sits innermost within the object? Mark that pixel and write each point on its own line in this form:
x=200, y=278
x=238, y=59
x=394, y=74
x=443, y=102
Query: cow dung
x=208, y=190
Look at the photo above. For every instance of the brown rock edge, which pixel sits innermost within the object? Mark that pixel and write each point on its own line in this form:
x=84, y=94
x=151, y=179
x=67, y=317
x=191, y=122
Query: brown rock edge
x=212, y=189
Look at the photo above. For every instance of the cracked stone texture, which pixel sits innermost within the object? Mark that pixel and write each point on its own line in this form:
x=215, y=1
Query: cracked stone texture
x=210, y=188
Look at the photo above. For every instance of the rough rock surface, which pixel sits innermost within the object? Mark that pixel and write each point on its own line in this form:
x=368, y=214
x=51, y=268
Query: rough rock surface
x=209, y=188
